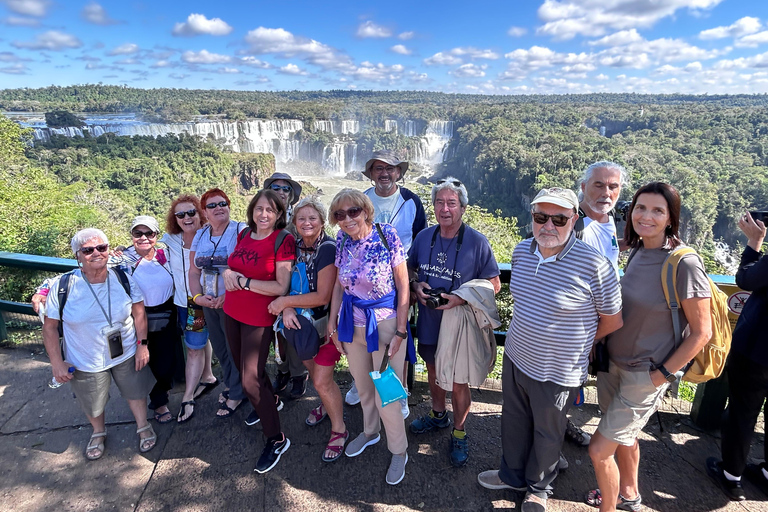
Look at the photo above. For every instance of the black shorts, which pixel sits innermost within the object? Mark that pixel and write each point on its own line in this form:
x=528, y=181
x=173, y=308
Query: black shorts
x=427, y=353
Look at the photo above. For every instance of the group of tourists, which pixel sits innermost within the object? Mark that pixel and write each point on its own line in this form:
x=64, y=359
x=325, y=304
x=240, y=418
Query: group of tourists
x=233, y=288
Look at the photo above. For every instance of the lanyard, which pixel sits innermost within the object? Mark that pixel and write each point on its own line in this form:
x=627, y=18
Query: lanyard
x=216, y=245
x=109, y=299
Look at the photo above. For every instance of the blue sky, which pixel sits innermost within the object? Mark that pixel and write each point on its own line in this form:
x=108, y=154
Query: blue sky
x=492, y=47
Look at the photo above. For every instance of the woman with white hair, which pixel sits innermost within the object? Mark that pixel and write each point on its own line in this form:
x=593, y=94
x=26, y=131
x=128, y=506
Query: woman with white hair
x=105, y=338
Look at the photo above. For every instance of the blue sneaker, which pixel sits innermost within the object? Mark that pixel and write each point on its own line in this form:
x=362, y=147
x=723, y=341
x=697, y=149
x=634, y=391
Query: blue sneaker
x=429, y=423
x=459, y=451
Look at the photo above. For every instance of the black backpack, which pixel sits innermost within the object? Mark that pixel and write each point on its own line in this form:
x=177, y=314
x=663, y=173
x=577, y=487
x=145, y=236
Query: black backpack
x=278, y=241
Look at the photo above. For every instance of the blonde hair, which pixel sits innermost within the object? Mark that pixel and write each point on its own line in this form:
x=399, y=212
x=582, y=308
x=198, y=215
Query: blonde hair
x=312, y=202
x=355, y=198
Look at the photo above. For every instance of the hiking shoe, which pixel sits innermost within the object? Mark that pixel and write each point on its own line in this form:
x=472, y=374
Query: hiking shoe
x=396, y=471
x=352, y=398
x=732, y=489
x=490, y=480
x=459, y=450
x=533, y=503
x=754, y=473
x=562, y=464
x=576, y=435
x=404, y=408
x=253, y=418
x=270, y=456
x=299, y=386
x=429, y=423
x=360, y=443
x=281, y=381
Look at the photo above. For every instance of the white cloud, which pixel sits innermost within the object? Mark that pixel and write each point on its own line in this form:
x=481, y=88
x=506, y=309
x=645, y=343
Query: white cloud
x=125, y=49
x=254, y=62
x=370, y=29
x=162, y=64
x=442, y=59
x=565, y=19
x=10, y=57
x=284, y=44
x=741, y=27
x=53, y=40
x=204, y=57
x=228, y=71
x=292, y=69
x=15, y=69
x=38, y=8
x=178, y=76
x=469, y=70
x=381, y=73
x=475, y=53
x=401, y=49
x=602, y=77
x=754, y=61
x=198, y=24
x=128, y=62
x=15, y=21
x=95, y=13
x=457, y=55
x=405, y=36
x=517, y=31
x=620, y=38
x=753, y=40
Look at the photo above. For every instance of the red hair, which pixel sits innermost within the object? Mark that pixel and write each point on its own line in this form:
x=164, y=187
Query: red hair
x=171, y=226
x=211, y=193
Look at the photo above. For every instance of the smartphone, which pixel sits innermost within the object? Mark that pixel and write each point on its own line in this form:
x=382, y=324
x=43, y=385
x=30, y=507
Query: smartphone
x=758, y=215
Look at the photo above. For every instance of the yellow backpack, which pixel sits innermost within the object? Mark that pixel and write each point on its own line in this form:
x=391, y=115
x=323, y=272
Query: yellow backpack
x=710, y=362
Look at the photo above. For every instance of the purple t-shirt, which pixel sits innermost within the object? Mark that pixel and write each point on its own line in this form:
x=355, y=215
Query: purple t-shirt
x=365, y=268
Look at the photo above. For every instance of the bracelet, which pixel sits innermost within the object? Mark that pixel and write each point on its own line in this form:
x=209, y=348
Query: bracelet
x=196, y=296
x=43, y=291
x=401, y=334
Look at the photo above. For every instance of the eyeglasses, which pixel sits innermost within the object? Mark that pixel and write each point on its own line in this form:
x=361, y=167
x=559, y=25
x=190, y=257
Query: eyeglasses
x=382, y=168
x=138, y=234
x=278, y=188
x=89, y=250
x=352, y=213
x=222, y=204
x=189, y=213
x=559, y=220
x=455, y=183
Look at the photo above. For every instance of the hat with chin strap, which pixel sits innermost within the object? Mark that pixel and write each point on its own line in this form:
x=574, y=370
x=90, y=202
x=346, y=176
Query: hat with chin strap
x=388, y=157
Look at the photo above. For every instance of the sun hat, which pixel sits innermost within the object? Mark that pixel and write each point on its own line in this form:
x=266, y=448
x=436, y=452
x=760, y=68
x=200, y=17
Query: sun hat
x=563, y=197
x=146, y=220
x=285, y=177
x=388, y=157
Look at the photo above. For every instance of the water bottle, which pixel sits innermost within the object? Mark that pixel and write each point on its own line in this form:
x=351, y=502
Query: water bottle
x=41, y=312
x=54, y=384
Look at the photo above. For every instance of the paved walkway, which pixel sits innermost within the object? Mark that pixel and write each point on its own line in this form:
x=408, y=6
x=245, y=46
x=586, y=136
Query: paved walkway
x=207, y=463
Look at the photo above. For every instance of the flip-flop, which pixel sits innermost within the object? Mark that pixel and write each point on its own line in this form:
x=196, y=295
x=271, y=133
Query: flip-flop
x=316, y=415
x=207, y=388
x=164, y=417
x=184, y=410
x=101, y=437
x=230, y=411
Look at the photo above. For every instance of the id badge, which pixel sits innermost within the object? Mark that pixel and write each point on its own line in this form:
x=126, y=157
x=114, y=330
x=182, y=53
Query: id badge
x=114, y=340
x=211, y=282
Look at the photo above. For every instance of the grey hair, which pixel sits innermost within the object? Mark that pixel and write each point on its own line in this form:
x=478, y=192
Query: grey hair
x=313, y=202
x=623, y=174
x=447, y=183
x=84, y=235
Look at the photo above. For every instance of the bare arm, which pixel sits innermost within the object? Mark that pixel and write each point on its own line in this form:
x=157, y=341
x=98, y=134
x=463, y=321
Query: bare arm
x=279, y=286
x=333, y=315
x=59, y=368
x=403, y=295
x=326, y=279
x=496, y=282
x=140, y=323
x=608, y=324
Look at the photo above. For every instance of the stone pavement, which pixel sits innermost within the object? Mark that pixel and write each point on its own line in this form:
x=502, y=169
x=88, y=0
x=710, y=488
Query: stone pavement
x=207, y=463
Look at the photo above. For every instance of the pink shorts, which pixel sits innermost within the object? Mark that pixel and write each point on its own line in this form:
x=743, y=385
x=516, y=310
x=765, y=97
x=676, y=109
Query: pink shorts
x=327, y=355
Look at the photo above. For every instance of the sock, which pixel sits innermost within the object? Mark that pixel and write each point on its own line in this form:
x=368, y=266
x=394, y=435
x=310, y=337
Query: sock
x=459, y=434
x=730, y=477
x=437, y=415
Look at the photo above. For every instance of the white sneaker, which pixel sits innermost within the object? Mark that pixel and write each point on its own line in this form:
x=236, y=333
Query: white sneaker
x=404, y=408
x=352, y=398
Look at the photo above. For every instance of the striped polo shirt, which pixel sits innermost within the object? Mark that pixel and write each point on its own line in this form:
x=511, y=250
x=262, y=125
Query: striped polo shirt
x=557, y=303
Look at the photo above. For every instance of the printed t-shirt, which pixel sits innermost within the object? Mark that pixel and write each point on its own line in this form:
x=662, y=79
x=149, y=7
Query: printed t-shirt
x=440, y=267
x=212, y=252
x=383, y=207
x=256, y=259
x=365, y=268
x=602, y=236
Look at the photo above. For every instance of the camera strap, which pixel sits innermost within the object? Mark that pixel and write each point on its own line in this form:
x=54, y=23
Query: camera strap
x=459, y=241
x=109, y=299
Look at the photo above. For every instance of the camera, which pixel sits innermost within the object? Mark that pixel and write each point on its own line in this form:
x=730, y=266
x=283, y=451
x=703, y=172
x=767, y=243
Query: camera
x=622, y=209
x=758, y=215
x=434, y=300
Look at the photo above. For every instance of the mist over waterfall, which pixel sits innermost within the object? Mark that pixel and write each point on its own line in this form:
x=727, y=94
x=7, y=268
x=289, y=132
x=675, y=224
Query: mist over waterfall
x=428, y=145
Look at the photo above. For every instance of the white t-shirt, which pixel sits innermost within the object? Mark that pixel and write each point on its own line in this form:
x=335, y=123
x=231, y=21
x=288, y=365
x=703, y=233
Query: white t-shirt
x=154, y=279
x=84, y=345
x=384, y=207
x=602, y=236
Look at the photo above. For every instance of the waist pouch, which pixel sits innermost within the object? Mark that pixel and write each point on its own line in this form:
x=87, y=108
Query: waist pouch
x=159, y=317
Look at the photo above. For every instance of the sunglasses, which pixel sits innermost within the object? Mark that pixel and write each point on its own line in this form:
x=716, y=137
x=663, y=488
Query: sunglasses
x=352, y=213
x=455, y=183
x=189, y=213
x=558, y=220
x=89, y=250
x=278, y=188
x=222, y=204
x=138, y=234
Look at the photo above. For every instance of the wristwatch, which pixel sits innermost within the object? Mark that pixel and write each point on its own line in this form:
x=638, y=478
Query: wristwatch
x=247, y=284
x=671, y=377
x=401, y=334
x=143, y=342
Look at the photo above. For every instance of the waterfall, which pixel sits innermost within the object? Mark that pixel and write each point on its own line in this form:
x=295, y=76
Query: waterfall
x=350, y=126
x=390, y=125
x=324, y=126
x=430, y=149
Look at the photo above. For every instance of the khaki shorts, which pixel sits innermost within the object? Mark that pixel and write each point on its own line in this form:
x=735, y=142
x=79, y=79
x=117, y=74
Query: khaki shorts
x=92, y=388
x=627, y=400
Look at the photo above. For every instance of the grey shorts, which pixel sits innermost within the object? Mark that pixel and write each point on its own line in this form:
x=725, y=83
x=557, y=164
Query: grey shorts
x=627, y=400
x=92, y=388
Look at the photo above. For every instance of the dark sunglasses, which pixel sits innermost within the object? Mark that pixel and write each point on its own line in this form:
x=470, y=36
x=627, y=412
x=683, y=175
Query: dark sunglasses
x=138, y=234
x=455, y=183
x=89, y=250
x=211, y=206
x=558, y=220
x=353, y=213
x=278, y=188
x=189, y=213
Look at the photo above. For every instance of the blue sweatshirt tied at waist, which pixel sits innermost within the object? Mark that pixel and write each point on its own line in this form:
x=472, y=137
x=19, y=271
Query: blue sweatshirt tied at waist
x=346, y=329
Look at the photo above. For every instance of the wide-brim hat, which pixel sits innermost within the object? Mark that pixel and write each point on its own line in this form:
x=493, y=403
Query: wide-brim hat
x=285, y=177
x=146, y=220
x=563, y=197
x=305, y=339
x=388, y=157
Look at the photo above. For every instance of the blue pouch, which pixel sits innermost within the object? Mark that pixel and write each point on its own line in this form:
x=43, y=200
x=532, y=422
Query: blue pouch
x=387, y=384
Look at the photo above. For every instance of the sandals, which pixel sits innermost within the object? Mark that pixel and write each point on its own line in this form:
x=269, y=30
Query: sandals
x=101, y=437
x=164, y=417
x=207, y=388
x=223, y=396
x=595, y=499
x=180, y=418
x=335, y=436
x=316, y=415
x=149, y=442
x=229, y=411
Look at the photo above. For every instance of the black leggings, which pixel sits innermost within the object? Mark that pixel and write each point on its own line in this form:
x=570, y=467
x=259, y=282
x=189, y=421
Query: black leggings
x=162, y=353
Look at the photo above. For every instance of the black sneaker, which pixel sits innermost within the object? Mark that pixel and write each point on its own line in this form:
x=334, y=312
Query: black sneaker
x=299, y=386
x=270, y=456
x=253, y=418
x=732, y=489
x=281, y=381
